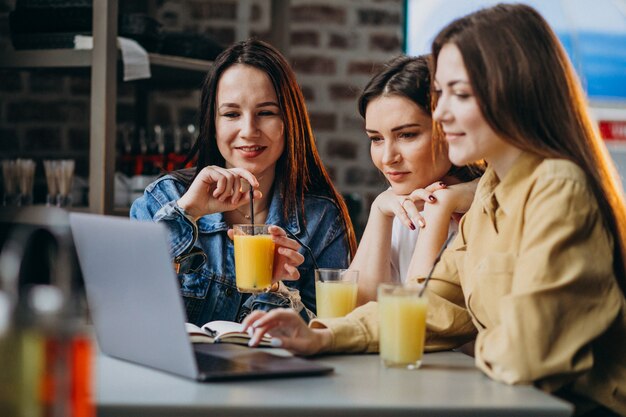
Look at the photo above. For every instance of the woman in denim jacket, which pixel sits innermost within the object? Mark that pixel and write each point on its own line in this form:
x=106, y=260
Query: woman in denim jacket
x=254, y=128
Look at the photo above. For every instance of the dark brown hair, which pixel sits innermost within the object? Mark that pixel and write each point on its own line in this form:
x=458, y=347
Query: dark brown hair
x=529, y=94
x=299, y=169
x=409, y=77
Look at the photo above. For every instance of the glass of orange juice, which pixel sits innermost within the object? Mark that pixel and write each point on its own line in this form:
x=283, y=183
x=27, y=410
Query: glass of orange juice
x=335, y=291
x=254, y=257
x=402, y=321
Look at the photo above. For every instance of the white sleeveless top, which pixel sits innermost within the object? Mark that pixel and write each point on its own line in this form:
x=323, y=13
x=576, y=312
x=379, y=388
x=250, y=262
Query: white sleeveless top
x=403, y=241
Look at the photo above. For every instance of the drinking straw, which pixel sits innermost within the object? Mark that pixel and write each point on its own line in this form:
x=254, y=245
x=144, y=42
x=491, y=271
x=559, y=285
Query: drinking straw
x=252, y=208
x=437, y=259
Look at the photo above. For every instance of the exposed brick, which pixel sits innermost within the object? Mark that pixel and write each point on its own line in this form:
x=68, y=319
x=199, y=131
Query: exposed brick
x=10, y=81
x=44, y=138
x=362, y=176
x=80, y=86
x=323, y=121
x=332, y=172
x=9, y=140
x=74, y=111
x=385, y=42
x=256, y=12
x=343, y=149
x=187, y=116
x=338, y=41
x=305, y=38
x=343, y=92
x=315, y=13
x=308, y=93
x=78, y=139
x=311, y=64
x=377, y=17
x=225, y=36
x=45, y=82
x=351, y=122
x=162, y=115
x=28, y=111
x=364, y=67
x=223, y=10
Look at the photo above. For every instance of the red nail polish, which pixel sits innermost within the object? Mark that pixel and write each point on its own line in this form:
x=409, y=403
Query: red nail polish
x=443, y=185
x=432, y=198
x=412, y=226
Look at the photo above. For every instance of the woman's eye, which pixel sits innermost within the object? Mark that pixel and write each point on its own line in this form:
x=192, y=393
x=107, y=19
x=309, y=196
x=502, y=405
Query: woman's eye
x=230, y=115
x=462, y=95
x=267, y=113
x=407, y=135
x=375, y=139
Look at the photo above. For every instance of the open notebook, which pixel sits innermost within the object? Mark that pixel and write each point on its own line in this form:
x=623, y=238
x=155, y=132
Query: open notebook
x=138, y=313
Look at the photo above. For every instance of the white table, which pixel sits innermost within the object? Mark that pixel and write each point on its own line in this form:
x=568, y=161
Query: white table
x=448, y=384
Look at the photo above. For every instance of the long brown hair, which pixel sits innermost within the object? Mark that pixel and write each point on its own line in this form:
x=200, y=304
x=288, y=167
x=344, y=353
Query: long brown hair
x=529, y=94
x=299, y=169
x=409, y=77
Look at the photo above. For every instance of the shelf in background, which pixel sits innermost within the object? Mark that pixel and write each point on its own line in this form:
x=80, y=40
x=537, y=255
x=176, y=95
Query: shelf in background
x=167, y=71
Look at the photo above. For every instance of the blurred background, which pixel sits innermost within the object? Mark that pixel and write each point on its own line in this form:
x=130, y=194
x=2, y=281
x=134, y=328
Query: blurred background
x=334, y=47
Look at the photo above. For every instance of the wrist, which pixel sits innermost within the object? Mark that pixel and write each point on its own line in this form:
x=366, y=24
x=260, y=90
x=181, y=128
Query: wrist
x=324, y=339
x=187, y=209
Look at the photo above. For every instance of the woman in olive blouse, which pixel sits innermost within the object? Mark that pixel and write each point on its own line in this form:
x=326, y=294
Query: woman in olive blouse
x=535, y=277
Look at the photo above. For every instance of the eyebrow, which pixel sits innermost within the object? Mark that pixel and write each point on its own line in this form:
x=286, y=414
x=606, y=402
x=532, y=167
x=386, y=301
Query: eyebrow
x=395, y=129
x=453, y=82
x=264, y=104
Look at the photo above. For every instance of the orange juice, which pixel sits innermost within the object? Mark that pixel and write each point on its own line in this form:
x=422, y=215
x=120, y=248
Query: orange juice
x=254, y=262
x=402, y=320
x=335, y=298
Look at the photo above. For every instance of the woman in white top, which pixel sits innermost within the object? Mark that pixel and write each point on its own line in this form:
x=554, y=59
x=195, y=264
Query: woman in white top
x=396, y=107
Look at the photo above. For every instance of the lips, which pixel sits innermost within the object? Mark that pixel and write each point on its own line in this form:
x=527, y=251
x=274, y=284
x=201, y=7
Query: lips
x=397, y=175
x=450, y=136
x=251, y=151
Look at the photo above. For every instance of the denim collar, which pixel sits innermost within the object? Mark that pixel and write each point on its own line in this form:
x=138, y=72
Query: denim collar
x=214, y=223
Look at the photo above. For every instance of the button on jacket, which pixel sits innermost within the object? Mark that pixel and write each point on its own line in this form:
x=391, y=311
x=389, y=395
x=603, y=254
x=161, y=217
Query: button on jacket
x=210, y=293
x=531, y=273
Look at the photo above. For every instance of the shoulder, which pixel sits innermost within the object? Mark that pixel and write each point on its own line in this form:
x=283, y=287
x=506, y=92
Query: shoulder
x=166, y=188
x=320, y=205
x=563, y=178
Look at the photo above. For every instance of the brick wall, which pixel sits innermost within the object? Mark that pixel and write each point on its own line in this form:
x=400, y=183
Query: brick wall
x=333, y=46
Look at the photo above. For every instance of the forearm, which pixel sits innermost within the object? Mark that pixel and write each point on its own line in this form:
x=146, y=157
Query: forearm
x=431, y=238
x=372, y=257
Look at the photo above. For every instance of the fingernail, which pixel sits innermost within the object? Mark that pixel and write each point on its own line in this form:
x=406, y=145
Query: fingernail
x=412, y=226
x=276, y=342
x=250, y=331
x=432, y=198
x=442, y=184
x=421, y=223
x=250, y=343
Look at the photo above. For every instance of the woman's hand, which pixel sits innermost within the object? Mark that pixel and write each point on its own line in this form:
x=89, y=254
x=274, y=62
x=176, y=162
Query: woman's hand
x=407, y=207
x=288, y=327
x=216, y=189
x=287, y=259
x=457, y=198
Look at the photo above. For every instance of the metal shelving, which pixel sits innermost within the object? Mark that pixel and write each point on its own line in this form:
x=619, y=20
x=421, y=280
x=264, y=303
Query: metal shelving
x=102, y=64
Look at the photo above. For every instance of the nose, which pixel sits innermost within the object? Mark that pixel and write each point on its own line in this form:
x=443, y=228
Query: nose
x=441, y=112
x=390, y=153
x=250, y=127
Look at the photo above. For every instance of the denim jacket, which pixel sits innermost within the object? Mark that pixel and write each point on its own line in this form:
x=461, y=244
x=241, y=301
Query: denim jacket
x=210, y=292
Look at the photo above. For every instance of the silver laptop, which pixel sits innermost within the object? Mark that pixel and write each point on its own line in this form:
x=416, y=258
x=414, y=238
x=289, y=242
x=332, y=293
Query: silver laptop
x=138, y=313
